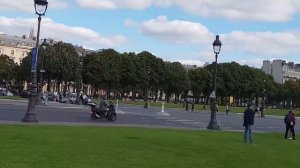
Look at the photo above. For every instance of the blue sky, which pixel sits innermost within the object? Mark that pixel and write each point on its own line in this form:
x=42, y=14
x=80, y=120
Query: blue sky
x=174, y=30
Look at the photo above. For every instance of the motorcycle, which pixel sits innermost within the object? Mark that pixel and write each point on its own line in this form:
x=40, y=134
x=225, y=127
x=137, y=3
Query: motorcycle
x=98, y=113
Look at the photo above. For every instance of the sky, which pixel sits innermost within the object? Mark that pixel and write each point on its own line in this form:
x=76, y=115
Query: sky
x=174, y=30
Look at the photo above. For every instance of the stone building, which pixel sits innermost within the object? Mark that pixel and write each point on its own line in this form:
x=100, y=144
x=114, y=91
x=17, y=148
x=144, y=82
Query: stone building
x=281, y=70
x=16, y=47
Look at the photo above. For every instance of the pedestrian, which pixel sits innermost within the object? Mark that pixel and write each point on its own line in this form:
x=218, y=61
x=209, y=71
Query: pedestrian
x=227, y=108
x=290, y=122
x=248, y=123
x=193, y=106
x=187, y=106
x=80, y=99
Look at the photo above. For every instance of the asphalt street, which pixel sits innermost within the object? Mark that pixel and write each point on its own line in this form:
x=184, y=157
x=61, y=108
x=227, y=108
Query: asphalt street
x=12, y=112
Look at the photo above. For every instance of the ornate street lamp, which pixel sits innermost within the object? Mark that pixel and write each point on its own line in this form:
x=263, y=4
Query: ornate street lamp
x=263, y=104
x=30, y=116
x=213, y=121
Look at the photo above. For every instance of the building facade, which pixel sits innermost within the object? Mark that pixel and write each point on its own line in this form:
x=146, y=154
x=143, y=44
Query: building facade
x=16, y=47
x=281, y=70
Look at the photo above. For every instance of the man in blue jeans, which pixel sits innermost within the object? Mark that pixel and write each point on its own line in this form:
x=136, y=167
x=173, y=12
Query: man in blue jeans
x=248, y=123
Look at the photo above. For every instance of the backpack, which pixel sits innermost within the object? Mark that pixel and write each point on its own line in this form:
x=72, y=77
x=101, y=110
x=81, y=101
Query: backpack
x=287, y=119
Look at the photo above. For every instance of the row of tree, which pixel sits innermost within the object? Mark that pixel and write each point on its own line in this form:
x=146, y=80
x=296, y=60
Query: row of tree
x=122, y=73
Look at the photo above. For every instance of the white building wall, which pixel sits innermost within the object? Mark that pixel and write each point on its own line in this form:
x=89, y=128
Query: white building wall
x=278, y=70
x=281, y=71
x=267, y=68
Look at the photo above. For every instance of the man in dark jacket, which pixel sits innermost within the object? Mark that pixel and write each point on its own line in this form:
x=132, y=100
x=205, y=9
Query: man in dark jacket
x=248, y=122
x=290, y=122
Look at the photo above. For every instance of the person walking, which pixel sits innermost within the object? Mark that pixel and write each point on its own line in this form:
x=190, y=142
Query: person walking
x=227, y=108
x=187, y=105
x=248, y=123
x=290, y=122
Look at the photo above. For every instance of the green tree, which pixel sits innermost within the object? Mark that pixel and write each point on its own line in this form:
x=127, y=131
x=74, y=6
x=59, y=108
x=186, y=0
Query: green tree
x=61, y=63
x=7, y=70
x=176, y=80
x=199, y=82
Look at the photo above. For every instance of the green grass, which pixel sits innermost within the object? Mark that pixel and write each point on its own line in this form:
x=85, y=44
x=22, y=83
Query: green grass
x=198, y=107
x=12, y=97
x=92, y=147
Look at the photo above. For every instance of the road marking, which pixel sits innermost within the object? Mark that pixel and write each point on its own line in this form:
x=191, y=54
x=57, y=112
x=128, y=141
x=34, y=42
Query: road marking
x=182, y=120
x=72, y=107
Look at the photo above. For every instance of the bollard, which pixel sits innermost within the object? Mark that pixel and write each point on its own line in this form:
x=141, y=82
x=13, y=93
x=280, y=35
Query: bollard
x=162, y=108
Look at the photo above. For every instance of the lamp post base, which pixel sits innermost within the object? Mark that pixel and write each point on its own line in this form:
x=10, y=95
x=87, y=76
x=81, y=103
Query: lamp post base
x=213, y=126
x=30, y=118
x=146, y=105
x=31, y=114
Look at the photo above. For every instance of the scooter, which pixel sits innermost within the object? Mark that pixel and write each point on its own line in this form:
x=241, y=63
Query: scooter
x=97, y=113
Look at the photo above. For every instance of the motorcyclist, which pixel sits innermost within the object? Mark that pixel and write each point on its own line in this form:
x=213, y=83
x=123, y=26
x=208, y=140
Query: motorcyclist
x=102, y=104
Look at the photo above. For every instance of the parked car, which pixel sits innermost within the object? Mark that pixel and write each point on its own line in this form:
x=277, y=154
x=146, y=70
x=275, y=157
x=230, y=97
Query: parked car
x=63, y=100
x=51, y=97
x=72, y=98
x=24, y=94
x=8, y=93
x=2, y=91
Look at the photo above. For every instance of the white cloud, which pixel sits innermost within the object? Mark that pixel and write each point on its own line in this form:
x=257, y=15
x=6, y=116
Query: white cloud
x=130, y=23
x=265, y=43
x=262, y=43
x=262, y=10
x=115, y=4
x=191, y=62
x=176, y=31
x=257, y=62
x=51, y=29
x=28, y=5
x=258, y=10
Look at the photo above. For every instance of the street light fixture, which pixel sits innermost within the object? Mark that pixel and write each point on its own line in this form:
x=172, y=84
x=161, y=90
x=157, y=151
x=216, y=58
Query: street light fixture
x=30, y=116
x=213, y=121
x=263, y=101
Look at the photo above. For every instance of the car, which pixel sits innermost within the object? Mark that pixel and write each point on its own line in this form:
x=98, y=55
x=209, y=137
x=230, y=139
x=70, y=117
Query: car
x=63, y=100
x=24, y=94
x=8, y=93
x=2, y=91
x=51, y=97
x=72, y=98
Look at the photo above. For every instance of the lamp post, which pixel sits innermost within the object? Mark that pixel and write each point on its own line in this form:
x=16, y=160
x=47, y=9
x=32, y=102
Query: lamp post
x=146, y=105
x=213, y=121
x=40, y=89
x=30, y=116
x=79, y=82
x=263, y=101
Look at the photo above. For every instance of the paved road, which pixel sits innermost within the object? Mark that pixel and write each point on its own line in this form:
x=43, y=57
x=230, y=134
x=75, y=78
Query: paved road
x=57, y=113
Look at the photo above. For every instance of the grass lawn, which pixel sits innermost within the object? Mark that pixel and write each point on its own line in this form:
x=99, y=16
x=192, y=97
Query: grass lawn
x=198, y=107
x=12, y=97
x=36, y=146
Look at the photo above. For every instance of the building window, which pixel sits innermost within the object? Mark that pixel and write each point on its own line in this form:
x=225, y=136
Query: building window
x=12, y=52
